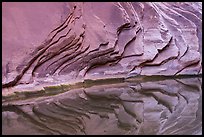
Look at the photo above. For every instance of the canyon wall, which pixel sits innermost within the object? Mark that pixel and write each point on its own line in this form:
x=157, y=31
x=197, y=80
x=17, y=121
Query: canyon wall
x=58, y=42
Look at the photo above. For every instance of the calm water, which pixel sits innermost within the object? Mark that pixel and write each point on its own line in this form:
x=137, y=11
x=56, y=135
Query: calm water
x=172, y=106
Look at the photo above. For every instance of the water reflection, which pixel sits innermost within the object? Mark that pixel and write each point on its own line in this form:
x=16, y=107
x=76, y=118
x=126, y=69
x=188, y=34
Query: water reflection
x=152, y=107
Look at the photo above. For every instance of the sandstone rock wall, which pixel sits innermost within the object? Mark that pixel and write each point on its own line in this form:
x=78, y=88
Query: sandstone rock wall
x=76, y=40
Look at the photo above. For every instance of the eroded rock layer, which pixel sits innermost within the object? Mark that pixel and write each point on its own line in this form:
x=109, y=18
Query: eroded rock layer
x=164, y=107
x=97, y=39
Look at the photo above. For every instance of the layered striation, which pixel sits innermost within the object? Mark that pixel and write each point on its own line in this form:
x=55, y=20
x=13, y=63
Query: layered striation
x=57, y=42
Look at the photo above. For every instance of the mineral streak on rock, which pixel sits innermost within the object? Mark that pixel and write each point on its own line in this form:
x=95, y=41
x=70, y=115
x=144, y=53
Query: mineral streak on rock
x=80, y=39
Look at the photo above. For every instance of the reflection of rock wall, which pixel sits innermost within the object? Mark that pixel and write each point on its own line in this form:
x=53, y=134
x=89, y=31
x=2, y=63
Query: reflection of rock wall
x=100, y=39
x=160, y=107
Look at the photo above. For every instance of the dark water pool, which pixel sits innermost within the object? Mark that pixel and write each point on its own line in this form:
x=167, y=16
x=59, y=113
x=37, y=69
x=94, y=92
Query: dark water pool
x=171, y=106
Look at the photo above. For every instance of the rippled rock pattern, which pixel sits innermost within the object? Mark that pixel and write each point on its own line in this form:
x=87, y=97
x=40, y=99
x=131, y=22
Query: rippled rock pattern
x=97, y=39
x=171, y=106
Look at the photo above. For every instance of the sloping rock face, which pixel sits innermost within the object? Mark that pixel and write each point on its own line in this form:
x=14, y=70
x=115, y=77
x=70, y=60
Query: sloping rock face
x=81, y=40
